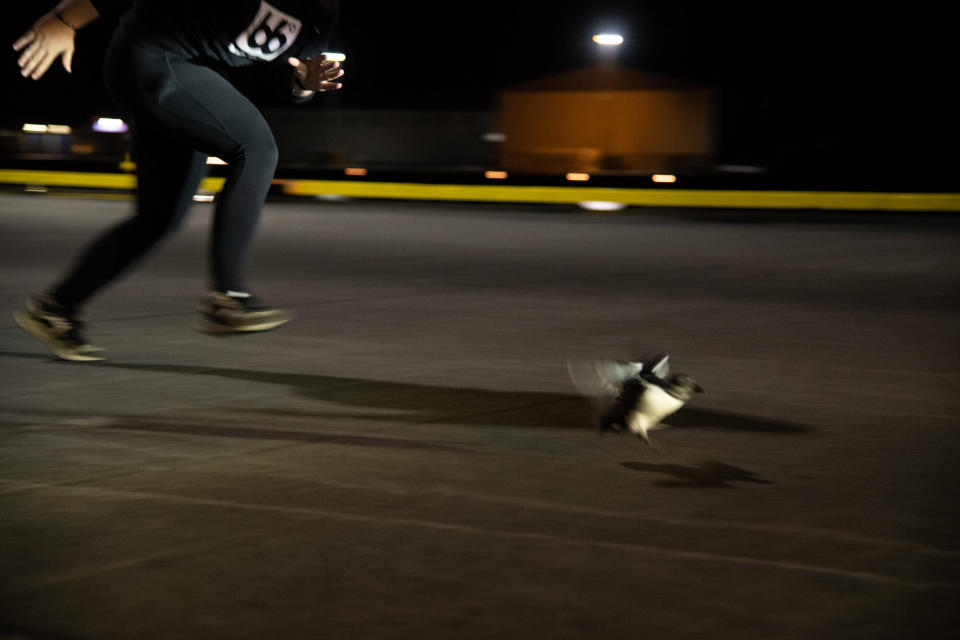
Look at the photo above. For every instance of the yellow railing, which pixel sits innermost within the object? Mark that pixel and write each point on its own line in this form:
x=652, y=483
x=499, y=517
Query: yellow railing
x=695, y=198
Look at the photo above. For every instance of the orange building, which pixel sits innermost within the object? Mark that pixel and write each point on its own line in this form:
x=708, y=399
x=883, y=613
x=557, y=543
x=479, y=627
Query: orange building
x=606, y=118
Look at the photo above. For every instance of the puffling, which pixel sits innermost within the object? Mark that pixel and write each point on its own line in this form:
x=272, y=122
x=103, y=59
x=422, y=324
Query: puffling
x=646, y=401
x=634, y=396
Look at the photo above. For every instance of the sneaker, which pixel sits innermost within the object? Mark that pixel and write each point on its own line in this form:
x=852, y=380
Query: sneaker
x=232, y=312
x=56, y=327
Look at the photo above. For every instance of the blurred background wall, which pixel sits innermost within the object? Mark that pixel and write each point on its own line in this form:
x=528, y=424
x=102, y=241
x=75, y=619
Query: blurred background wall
x=414, y=139
x=607, y=118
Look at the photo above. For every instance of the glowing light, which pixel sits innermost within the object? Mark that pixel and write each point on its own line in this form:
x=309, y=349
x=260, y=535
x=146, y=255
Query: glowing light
x=578, y=177
x=608, y=39
x=355, y=171
x=60, y=129
x=110, y=125
x=332, y=55
x=495, y=175
x=215, y=160
x=202, y=197
x=600, y=205
x=34, y=188
x=663, y=177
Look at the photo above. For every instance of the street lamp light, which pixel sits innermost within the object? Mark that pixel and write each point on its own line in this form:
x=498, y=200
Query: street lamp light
x=608, y=39
x=606, y=76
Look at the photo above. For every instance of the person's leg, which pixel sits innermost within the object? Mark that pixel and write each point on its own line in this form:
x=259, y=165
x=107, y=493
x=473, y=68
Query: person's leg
x=180, y=111
x=251, y=161
x=198, y=107
x=168, y=173
x=208, y=112
x=169, y=169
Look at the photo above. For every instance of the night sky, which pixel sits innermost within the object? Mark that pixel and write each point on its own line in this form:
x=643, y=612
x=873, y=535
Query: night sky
x=818, y=77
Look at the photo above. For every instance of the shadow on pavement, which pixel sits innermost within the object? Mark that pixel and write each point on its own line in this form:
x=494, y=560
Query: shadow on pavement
x=135, y=423
x=707, y=474
x=424, y=403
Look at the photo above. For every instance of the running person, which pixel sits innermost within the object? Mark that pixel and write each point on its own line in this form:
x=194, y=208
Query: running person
x=166, y=68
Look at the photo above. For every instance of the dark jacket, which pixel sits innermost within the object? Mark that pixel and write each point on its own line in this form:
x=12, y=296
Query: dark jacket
x=230, y=35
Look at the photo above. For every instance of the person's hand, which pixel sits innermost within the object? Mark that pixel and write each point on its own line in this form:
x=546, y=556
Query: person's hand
x=317, y=74
x=47, y=40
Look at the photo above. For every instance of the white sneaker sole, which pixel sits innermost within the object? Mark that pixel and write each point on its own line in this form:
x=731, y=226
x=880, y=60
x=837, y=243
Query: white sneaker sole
x=216, y=329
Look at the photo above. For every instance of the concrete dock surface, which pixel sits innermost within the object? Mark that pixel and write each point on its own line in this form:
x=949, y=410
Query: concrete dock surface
x=409, y=459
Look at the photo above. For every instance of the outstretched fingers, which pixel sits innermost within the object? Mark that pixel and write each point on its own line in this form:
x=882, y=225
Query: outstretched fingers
x=24, y=40
x=333, y=73
x=42, y=63
x=318, y=74
x=32, y=60
x=330, y=71
x=40, y=47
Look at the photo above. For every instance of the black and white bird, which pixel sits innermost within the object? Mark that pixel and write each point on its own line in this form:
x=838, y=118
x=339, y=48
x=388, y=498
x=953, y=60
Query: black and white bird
x=633, y=396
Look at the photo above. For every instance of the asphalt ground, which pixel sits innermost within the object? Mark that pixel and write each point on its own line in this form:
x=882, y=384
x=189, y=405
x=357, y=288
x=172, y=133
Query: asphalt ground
x=409, y=457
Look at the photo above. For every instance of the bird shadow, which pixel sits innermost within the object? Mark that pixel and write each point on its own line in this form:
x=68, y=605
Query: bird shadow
x=708, y=474
x=412, y=402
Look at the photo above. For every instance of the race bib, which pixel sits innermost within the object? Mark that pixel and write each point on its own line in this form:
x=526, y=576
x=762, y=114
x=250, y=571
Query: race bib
x=270, y=34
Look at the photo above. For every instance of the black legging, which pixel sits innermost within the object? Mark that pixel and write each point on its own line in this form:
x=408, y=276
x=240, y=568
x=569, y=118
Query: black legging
x=180, y=112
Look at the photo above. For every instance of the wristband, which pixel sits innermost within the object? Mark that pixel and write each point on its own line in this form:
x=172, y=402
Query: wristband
x=62, y=21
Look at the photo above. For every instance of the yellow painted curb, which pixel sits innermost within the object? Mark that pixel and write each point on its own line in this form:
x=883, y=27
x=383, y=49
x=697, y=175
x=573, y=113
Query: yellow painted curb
x=832, y=200
x=87, y=180
x=637, y=197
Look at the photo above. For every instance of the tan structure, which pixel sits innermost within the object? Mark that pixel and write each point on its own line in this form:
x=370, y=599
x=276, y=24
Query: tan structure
x=606, y=118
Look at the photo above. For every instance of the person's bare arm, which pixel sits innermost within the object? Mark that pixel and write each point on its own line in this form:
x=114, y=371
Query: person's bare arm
x=52, y=37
